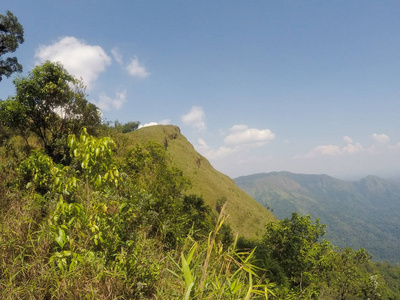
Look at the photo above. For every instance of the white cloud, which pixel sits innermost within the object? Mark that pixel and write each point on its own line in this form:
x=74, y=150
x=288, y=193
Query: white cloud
x=202, y=144
x=243, y=135
x=107, y=103
x=348, y=158
x=395, y=147
x=117, y=56
x=195, y=118
x=210, y=153
x=165, y=122
x=347, y=140
x=148, y=124
x=381, y=138
x=162, y=122
x=220, y=152
x=381, y=145
x=353, y=148
x=135, y=69
x=237, y=142
x=79, y=58
x=331, y=150
x=334, y=150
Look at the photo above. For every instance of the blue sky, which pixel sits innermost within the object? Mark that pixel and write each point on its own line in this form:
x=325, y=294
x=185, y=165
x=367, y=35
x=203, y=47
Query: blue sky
x=255, y=86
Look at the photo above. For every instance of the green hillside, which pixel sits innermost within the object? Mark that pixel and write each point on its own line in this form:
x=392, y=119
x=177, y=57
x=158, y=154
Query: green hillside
x=363, y=213
x=246, y=216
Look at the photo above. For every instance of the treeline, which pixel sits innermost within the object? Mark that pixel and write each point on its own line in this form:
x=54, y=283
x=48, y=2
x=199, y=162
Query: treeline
x=85, y=214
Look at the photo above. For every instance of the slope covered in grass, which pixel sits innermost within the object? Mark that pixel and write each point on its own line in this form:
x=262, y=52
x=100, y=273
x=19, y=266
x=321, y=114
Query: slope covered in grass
x=246, y=216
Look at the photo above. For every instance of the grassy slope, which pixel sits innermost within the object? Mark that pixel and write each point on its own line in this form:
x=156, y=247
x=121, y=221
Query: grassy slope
x=246, y=216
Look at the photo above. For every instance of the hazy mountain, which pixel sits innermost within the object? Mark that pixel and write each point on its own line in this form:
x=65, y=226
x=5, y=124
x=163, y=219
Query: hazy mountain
x=363, y=213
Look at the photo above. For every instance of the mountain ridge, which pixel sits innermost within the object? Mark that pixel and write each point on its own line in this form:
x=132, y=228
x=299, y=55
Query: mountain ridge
x=361, y=213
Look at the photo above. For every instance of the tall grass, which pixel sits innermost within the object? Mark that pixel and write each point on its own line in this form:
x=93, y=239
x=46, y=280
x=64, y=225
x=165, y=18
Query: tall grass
x=208, y=271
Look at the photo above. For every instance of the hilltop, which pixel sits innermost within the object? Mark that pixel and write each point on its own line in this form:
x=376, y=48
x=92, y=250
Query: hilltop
x=246, y=216
x=363, y=213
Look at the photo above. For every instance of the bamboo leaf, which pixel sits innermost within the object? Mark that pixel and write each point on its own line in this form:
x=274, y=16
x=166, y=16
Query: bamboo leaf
x=191, y=252
x=188, y=291
x=248, y=295
x=173, y=273
x=187, y=274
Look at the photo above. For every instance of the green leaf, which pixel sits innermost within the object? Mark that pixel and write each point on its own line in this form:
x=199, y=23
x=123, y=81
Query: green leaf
x=98, y=181
x=187, y=274
x=191, y=252
x=188, y=291
x=61, y=238
x=66, y=253
x=235, y=286
x=173, y=273
x=248, y=295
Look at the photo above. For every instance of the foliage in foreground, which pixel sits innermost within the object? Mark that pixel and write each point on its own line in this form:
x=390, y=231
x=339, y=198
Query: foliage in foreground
x=89, y=229
x=96, y=225
x=101, y=229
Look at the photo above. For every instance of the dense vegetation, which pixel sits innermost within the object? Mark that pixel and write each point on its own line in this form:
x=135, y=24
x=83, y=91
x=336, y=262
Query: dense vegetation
x=246, y=216
x=363, y=213
x=89, y=229
x=11, y=36
x=85, y=213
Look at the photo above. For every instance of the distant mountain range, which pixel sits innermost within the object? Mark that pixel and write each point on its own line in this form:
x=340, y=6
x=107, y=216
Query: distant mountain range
x=363, y=213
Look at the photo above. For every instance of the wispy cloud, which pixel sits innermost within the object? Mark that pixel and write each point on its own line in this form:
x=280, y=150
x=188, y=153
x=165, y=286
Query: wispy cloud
x=195, y=118
x=79, y=58
x=107, y=103
x=165, y=122
x=380, y=143
x=117, y=56
x=239, y=155
x=136, y=69
x=330, y=150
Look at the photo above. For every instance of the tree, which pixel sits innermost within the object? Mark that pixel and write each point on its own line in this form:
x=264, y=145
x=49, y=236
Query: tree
x=149, y=168
x=11, y=35
x=347, y=277
x=52, y=104
x=12, y=117
x=294, y=244
x=127, y=127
